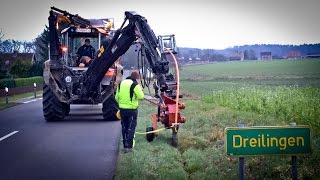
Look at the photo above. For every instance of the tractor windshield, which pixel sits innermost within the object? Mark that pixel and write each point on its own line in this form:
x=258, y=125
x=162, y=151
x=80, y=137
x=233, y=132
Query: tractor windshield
x=77, y=42
x=73, y=41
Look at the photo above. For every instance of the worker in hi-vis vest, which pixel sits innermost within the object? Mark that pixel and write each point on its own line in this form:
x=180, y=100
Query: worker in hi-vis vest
x=129, y=92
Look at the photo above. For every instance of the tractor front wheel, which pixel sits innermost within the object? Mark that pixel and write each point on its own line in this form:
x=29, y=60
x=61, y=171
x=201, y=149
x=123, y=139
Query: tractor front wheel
x=66, y=108
x=53, y=109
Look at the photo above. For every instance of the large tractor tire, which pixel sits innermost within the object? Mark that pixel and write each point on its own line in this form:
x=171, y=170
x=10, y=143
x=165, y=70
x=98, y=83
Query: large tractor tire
x=110, y=108
x=53, y=109
x=66, y=109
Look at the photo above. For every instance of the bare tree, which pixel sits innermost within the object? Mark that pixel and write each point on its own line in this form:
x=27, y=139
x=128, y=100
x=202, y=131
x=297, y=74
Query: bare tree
x=6, y=46
x=33, y=45
x=16, y=45
x=28, y=47
x=24, y=47
x=10, y=46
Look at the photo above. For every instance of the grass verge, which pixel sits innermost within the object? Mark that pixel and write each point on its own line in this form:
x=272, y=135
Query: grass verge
x=13, y=99
x=5, y=106
x=222, y=95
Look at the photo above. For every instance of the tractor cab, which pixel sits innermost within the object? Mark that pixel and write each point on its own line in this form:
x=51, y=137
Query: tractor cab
x=168, y=42
x=73, y=37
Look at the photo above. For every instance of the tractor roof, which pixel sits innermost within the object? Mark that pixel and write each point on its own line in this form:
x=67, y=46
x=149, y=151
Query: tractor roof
x=103, y=25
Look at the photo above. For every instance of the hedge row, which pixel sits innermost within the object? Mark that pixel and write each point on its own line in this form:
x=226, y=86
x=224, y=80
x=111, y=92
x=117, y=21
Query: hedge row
x=20, y=82
x=9, y=83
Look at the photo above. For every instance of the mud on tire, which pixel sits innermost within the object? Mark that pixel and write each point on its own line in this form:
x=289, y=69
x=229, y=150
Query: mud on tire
x=53, y=109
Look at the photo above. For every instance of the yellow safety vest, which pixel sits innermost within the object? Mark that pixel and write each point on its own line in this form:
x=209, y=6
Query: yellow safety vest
x=128, y=93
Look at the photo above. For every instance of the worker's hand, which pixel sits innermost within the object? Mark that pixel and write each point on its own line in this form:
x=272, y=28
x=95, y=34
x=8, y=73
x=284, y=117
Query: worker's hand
x=81, y=65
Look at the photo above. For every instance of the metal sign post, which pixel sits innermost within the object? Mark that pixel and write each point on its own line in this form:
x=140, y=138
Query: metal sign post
x=294, y=170
x=35, y=90
x=7, y=92
x=241, y=161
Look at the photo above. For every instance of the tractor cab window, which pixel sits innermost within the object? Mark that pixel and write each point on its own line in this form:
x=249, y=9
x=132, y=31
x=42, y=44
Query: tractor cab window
x=85, y=50
x=80, y=41
x=74, y=44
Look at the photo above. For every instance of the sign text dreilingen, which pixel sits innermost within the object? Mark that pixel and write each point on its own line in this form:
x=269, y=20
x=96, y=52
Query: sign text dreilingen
x=268, y=140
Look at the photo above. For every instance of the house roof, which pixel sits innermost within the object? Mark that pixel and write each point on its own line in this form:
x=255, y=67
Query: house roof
x=16, y=56
x=11, y=58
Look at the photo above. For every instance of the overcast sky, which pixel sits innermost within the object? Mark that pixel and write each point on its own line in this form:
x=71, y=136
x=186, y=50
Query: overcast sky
x=197, y=23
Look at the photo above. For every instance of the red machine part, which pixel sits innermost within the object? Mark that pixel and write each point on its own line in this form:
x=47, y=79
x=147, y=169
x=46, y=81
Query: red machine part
x=166, y=114
x=171, y=110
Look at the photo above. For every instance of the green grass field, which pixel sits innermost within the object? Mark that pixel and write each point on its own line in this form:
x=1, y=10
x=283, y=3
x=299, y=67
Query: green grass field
x=221, y=95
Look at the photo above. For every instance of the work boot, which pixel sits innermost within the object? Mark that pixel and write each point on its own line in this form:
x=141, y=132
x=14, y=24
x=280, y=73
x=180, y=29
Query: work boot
x=128, y=150
x=124, y=150
x=125, y=143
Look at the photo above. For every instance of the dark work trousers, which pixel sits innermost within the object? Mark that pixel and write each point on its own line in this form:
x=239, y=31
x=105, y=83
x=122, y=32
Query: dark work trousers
x=129, y=123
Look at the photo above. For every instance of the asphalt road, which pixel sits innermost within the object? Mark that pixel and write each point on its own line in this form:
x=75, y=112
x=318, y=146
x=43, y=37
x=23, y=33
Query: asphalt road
x=84, y=146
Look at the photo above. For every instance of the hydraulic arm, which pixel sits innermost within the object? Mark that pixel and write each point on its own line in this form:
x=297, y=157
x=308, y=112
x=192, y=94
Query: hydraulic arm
x=120, y=43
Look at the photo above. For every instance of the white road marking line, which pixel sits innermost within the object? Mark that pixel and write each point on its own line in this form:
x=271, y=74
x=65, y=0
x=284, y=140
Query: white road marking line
x=8, y=135
x=26, y=102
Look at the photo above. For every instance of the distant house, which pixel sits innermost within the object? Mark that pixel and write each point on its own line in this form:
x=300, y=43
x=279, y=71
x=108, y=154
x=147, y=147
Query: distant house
x=266, y=56
x=237, y=56
x=279, y=57
x=10, y=59
x=313, y=55
x=294, y=55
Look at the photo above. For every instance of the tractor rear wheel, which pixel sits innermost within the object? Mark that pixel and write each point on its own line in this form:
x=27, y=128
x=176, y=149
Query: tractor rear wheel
x=110, y=109
x=53, y=109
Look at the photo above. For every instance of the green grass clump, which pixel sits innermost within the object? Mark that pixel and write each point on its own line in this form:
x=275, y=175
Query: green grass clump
x=156, y=160
x=4, y=106
x=293, y=104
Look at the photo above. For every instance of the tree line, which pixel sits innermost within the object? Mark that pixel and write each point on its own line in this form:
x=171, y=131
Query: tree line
x=11, y=45
x=20, y=68
x=246, y=52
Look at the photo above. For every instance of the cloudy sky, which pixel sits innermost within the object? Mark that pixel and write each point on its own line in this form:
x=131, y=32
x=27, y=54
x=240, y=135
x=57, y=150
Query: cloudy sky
x=197, y=23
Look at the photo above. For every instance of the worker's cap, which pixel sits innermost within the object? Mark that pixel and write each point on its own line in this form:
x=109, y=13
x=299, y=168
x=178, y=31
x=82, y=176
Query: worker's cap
x=135, y=75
